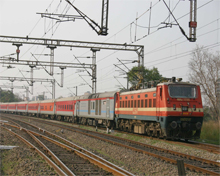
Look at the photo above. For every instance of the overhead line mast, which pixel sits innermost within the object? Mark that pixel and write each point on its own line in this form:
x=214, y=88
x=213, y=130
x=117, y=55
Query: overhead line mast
x=100, y=30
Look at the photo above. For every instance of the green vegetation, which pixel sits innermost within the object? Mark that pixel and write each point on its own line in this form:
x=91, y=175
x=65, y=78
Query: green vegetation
x=8, y=96
x=210, y=132
x=8, y=166
x=136, y=74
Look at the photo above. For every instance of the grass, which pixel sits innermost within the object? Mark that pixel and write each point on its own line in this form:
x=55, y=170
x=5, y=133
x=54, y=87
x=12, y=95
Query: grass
x=210, y=132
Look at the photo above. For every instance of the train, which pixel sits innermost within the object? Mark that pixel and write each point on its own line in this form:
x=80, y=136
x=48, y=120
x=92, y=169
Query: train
x=170, y=110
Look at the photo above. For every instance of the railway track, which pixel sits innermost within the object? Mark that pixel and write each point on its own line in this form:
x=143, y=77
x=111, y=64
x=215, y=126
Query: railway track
x=73, y=159
x=198, y=145
x=190, y=162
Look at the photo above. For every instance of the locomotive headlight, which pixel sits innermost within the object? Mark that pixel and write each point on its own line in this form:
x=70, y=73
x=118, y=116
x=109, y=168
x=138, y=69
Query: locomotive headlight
x=174, y=107
x=198, y=125
x=173, y=124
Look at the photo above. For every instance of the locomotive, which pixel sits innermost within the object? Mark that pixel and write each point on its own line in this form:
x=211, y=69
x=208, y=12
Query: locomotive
x=171, y=110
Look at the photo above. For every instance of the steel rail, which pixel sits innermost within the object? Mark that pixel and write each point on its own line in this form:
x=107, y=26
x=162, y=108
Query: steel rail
x=208, y=147
x=53, y=156
x=88, y=156
x=211, y=148
x=48, y=160
x=138, y=143
x=82, y=155
x=189, y=166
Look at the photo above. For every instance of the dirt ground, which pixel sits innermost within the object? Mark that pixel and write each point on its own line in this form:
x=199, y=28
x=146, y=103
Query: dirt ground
x=21, y=160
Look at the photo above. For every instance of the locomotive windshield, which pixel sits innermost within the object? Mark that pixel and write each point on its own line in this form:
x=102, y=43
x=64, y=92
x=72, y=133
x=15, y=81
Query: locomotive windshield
x=182, y=91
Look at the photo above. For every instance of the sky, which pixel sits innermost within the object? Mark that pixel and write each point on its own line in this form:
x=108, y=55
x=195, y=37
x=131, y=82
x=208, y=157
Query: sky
x=128, y=22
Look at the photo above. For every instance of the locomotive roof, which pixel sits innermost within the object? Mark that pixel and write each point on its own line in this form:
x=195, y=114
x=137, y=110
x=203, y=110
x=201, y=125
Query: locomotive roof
x=139, y=91
x=177, y=83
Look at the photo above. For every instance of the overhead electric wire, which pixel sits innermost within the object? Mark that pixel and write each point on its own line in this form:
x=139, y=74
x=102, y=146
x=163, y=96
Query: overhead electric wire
x=163, y=46
x=197, y=9
x=186, y=53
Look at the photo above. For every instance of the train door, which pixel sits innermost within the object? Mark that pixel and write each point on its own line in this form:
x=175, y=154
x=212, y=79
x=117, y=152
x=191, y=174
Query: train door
x=100, y=107
x=159, y=96
x=54, y=107
x=89, y=108
x=107, y=108
x=96, y=107
x=78, y=108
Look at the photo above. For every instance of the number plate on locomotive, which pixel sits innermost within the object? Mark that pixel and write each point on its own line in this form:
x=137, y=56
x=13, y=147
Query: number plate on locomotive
x=185, y=119
x=184, y=108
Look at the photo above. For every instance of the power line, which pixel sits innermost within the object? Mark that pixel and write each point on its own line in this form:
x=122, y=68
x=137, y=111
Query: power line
x=186, y=54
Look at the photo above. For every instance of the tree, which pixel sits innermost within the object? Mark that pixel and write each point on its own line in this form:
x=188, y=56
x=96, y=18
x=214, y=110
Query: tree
x=8, y=96
x=205, y=71
x=136, y=74
x=40, y=97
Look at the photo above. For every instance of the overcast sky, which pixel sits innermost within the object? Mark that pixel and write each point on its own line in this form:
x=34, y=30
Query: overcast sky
x=164, y=48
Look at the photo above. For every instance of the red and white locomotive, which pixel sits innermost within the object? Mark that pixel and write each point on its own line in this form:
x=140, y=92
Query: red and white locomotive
x=169, y=110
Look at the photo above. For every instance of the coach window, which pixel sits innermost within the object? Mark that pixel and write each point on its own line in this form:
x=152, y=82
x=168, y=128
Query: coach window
x=154, y=102
x=120, y=98
x=132, y=97
x=145, y=103
x=142, y=103
x=126, y=104
x=139, y=96
x=120, y=104
x=150, y=102
x=154, y=95
x=93, y=105
x=131, y=103
x=138, y=103
x=126, y=98
x=65, y=106
x=146, y=95
x=123, y=104
x=135, y=103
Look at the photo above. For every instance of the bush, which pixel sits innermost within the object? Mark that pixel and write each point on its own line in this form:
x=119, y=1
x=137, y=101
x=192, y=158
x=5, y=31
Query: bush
x=210, y=132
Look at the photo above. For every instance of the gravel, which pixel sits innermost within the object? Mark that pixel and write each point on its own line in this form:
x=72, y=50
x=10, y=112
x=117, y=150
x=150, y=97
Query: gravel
x=21, y=160
x=136, y=163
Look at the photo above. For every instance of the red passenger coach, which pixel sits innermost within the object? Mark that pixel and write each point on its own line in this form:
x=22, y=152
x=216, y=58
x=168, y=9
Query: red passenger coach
x=65, y=108
x=47, y=108
x=22, y=107
x=3, y=107
x=12, y=107
x=33, y=108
